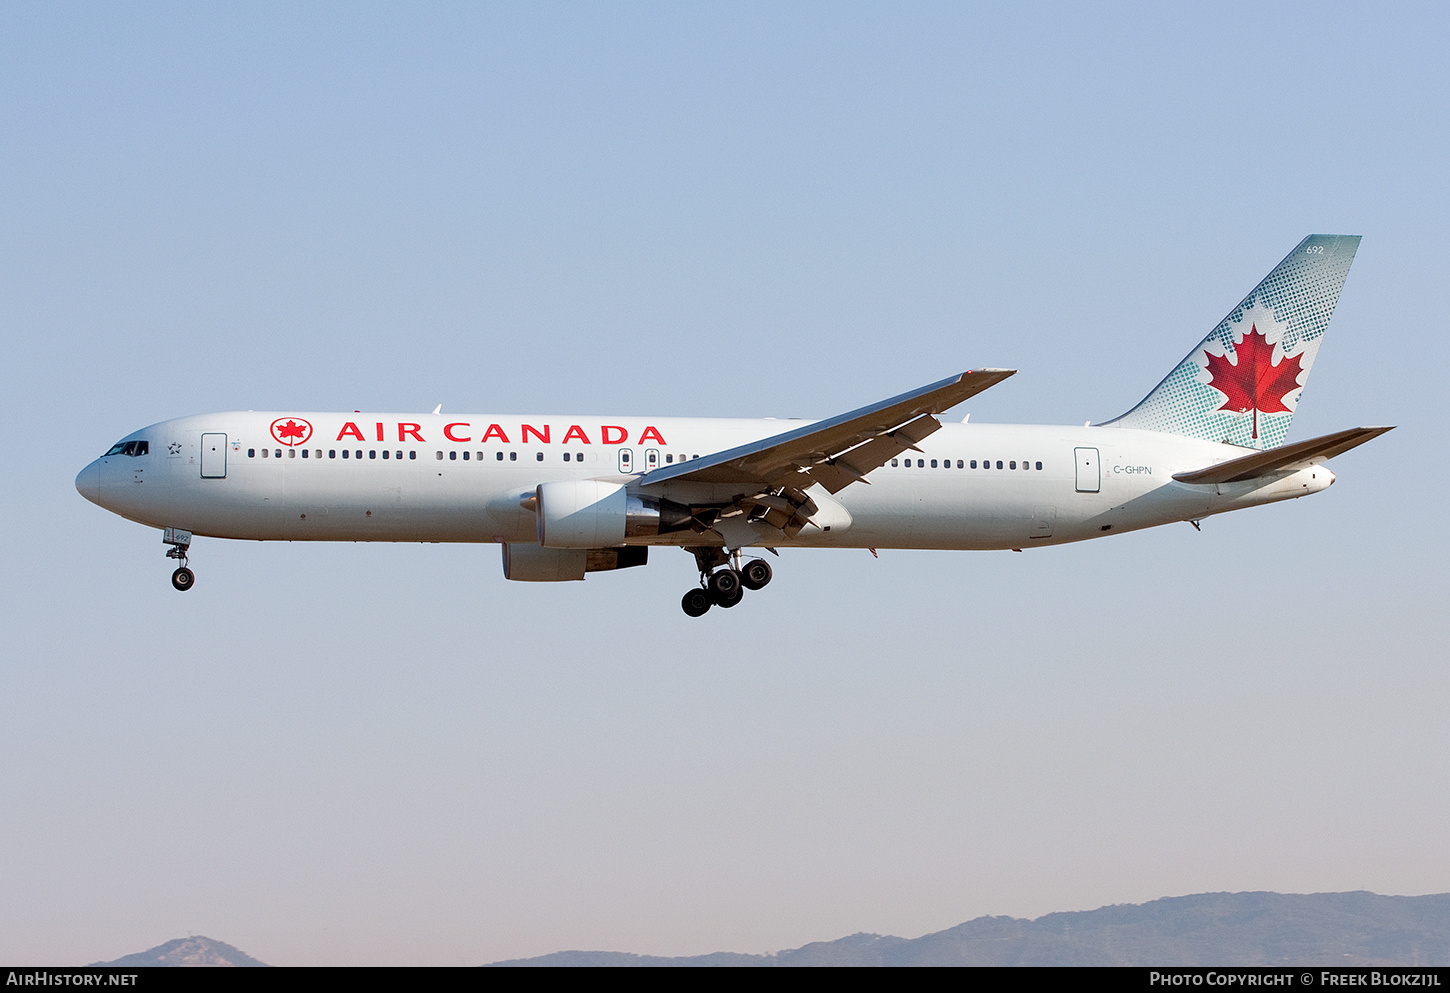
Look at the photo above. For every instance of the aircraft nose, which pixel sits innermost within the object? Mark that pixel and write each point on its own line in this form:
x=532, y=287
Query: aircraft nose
x=88, y=483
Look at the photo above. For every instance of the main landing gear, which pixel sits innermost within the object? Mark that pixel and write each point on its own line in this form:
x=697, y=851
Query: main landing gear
x=723, y=580
x=180, y=541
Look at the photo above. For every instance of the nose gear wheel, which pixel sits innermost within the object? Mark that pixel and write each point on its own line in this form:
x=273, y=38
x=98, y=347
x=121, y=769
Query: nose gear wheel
x=180, y=541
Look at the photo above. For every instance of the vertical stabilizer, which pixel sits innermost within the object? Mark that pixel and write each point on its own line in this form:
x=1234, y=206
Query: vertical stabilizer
x=1242, y=383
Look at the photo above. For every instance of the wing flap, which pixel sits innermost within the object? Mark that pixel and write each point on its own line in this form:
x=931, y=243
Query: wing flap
x=1295, y=456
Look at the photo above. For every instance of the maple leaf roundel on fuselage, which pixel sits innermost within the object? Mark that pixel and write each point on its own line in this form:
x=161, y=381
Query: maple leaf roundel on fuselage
x=1254, y=383
x=291, y=430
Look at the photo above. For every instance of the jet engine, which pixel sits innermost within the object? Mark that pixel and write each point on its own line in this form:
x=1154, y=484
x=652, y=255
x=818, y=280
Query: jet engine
x=530, y=563
x=592, y=513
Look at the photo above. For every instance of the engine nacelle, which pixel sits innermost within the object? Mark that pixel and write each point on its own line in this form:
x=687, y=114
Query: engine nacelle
x=530, y=563
x=535, y=564
x=590, y=513
x=585, y=513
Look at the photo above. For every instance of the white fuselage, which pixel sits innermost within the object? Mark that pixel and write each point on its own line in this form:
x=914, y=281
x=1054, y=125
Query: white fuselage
x=409, y=477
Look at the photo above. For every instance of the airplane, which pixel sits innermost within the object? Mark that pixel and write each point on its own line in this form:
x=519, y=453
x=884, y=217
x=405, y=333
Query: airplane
x=567, y=496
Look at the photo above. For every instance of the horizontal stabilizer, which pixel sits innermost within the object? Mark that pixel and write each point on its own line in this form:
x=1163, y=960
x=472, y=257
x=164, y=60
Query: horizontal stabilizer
x=1295, y=456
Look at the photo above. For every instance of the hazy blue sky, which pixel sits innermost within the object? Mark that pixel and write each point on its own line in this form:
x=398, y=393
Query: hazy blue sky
x=375, y=754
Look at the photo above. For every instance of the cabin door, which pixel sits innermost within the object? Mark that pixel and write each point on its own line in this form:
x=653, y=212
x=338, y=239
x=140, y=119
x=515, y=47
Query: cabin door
x=1089, y=474
x=213, y=456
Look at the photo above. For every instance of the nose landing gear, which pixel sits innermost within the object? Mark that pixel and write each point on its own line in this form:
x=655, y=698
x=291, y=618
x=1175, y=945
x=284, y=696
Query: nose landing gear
x=180, y=541
x=723, y=587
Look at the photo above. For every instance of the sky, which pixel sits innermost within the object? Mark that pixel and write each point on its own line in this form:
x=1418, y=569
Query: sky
x=360, y=754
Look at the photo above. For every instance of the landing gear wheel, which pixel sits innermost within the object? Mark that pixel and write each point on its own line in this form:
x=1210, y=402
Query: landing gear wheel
x=183, y=579
x=732, y=599
x=696, y=602
x=724, y=585
x=755, y=574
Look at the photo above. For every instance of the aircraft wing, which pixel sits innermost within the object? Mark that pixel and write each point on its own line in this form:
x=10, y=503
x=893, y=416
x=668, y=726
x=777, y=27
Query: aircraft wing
x=1295, y=456
x=837, y=451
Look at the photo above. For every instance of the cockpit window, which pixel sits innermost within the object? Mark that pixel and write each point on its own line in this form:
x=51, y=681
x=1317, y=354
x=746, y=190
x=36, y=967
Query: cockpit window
x=132, y=448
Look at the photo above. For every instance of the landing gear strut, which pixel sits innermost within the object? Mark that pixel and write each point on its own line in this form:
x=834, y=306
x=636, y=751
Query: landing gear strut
x=180, y=541
x=723, y=580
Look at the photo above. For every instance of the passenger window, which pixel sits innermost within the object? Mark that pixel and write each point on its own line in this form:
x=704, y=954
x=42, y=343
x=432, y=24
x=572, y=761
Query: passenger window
x=539, y=457
x=895, y=462
x=1039, y=466
x=500, y=456
x=1011, y=465
x=304, y=453
x=359, y=453
x=345, y=453
x=959, y=464
x=566, y=456
x=385, y=453
x=513, y=456
x=251, y=453
x=372, y=453
x=452, y=456
x=933, y=463
x=412, y=453
x=440, y=456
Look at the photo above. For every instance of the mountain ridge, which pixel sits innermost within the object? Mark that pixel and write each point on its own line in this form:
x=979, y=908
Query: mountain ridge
x=1206, y=929
x=1257, y=928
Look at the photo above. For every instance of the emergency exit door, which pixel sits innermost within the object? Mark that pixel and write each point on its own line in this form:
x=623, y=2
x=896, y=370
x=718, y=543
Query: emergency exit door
x=213, y=456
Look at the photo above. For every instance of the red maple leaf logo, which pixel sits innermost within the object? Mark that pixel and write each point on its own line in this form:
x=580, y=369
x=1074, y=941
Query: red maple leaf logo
x=1255, y=383
x=292, y=431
